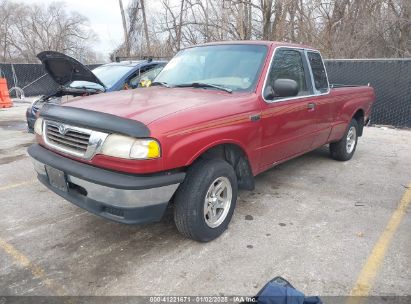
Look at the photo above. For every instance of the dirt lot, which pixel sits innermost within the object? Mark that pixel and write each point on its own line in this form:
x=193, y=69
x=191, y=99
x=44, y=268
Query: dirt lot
x=312, y=220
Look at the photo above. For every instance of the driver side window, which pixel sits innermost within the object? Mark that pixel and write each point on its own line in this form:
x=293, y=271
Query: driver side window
x=134, y=80
x=146, y=73
x=287, y=64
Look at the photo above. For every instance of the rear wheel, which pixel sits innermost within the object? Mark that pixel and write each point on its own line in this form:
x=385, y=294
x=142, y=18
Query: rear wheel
x=344, y=149
x=205, y=201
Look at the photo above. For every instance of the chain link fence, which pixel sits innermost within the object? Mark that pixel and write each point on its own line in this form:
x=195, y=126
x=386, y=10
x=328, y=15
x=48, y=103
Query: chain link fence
x=391, y=80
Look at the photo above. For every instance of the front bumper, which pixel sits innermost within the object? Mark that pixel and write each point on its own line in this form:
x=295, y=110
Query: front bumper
x=121, y=197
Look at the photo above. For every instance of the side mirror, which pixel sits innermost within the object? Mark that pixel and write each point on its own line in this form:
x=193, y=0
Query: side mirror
x=285, y=88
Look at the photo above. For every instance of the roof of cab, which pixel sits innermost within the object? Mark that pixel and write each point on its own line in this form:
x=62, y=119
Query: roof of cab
x=134, y=63
x=256, y=42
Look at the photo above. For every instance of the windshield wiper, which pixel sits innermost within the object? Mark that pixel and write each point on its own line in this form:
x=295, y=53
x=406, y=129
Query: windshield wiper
x=161, y=83
x=88, y=89
x=203, y=85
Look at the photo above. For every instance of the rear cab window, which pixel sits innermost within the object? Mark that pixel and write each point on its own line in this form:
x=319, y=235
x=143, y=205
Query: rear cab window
x=318, y=70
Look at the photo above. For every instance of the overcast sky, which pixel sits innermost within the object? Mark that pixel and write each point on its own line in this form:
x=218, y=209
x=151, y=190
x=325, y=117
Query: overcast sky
x=104, y=17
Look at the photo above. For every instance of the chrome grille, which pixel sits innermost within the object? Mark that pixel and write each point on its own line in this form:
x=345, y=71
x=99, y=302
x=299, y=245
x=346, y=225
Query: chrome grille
x=66, y=138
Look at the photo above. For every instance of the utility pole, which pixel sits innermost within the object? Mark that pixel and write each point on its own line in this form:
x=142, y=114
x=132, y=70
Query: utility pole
x=180, y=26
x=143, y=9
x=206, y=18
x=126, y=38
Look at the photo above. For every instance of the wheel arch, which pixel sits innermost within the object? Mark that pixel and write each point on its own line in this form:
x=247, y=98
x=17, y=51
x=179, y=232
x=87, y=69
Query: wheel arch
x=359, y=116
x=235, y=154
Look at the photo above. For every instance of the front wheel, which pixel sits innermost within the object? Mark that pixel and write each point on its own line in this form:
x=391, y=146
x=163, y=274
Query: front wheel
x=344, y=149
x=205, y=201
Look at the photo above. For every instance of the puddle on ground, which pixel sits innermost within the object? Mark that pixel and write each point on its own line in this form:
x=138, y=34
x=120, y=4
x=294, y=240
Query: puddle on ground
x=10, y=159
x=15, y=125
x=13, y=149
x=249, y=218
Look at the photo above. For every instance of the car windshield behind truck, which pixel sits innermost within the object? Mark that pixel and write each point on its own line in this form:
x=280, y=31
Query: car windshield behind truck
x=232, y=66
x=108, y=74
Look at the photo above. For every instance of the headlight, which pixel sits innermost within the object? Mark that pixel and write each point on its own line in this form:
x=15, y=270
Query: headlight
x=130, y=148
x=38, y=126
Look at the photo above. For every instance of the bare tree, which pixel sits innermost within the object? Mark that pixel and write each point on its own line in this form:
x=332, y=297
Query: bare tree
x=33, y=28
x=339, y=28
x=401, y=11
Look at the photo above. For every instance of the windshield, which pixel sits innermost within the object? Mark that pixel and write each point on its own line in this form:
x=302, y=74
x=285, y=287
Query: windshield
x=108, y=74
x=234, y=67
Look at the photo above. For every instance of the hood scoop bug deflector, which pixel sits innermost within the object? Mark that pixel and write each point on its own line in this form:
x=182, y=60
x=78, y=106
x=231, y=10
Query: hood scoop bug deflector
x=95, y=120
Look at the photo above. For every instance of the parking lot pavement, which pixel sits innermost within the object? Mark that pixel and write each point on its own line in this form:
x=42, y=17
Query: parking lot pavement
x=13, y=138
x=312, y=220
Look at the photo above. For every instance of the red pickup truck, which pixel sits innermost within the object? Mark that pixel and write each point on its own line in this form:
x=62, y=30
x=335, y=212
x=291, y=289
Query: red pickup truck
x=215, y=117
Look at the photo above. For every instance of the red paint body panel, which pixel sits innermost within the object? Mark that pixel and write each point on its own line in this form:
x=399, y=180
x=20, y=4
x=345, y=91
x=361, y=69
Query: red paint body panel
x=187, y=122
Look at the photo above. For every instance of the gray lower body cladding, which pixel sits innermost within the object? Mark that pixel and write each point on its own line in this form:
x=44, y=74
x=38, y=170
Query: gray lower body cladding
x=121, y=197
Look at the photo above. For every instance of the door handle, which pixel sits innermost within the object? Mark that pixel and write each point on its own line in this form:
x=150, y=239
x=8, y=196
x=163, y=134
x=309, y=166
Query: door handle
x=311, y=106
x=255, y=117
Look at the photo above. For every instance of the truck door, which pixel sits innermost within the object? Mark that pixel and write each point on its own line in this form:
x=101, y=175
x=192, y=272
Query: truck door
x=288, y=123
x=325, y=103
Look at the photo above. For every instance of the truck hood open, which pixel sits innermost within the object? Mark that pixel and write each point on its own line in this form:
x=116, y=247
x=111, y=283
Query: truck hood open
x=149, y=104
x=65, y=69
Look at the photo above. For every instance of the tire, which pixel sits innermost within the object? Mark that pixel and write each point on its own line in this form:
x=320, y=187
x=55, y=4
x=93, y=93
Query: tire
x=344, y=149
x=193, y=219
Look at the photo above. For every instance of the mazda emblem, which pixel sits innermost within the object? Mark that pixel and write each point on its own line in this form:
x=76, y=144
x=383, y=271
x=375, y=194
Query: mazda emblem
x=62, y=130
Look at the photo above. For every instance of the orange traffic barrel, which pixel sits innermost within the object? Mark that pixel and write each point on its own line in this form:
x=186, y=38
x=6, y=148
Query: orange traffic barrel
x=5, y=101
